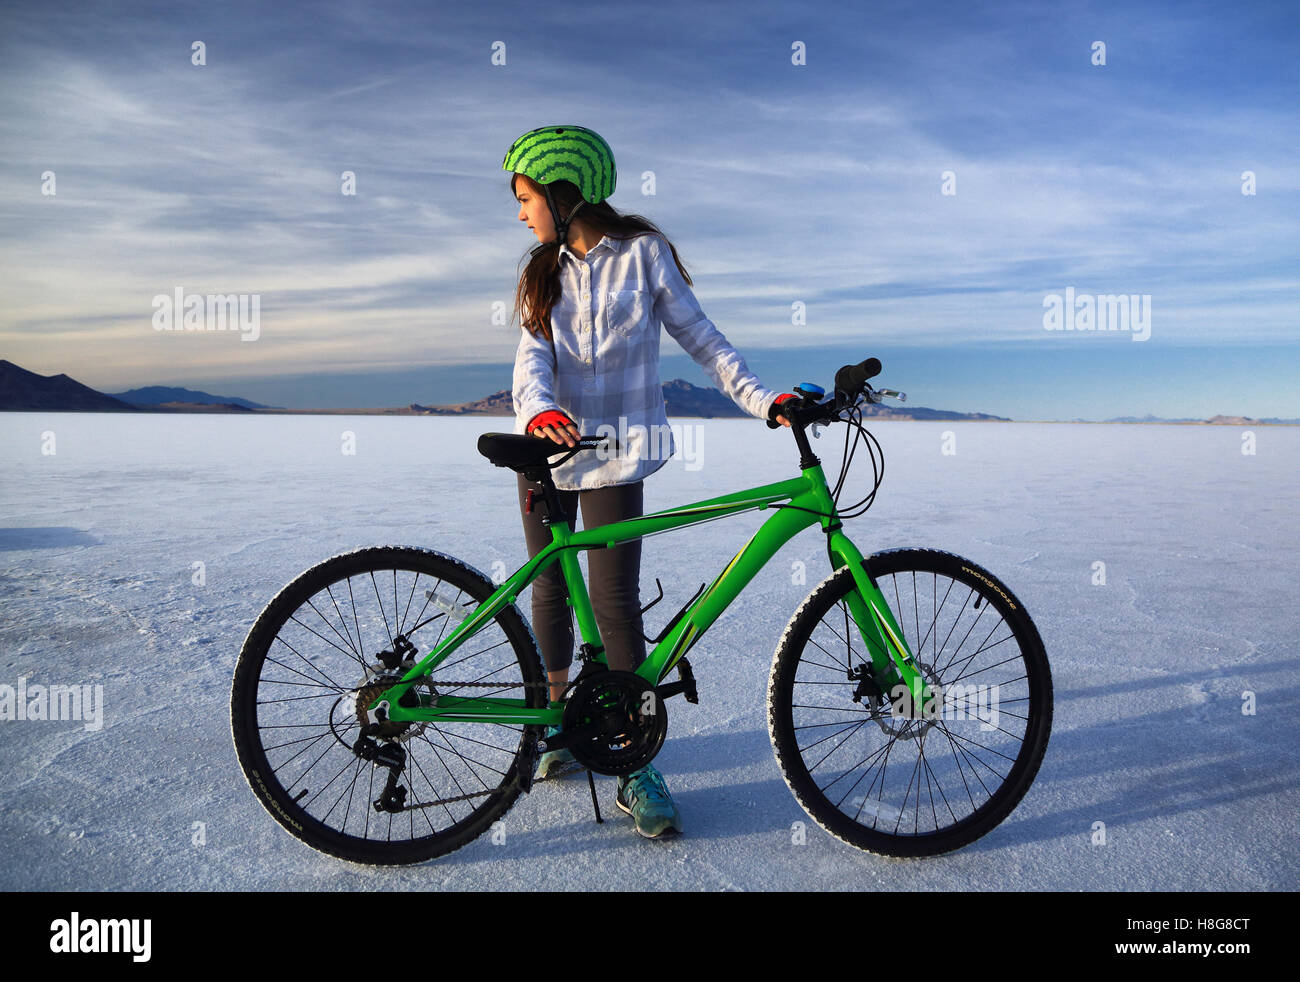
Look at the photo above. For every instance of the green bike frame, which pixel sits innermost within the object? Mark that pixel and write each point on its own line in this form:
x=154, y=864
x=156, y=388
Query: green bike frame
x=810, y=502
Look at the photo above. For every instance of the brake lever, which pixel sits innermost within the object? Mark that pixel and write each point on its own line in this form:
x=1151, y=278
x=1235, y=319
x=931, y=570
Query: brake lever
x=837, y=414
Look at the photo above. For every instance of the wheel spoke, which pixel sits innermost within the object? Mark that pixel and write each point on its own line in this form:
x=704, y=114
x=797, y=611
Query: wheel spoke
x=346, y=640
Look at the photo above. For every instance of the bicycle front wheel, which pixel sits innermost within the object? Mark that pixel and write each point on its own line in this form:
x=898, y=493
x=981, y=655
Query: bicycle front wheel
x=317, y=656
x=909, y=784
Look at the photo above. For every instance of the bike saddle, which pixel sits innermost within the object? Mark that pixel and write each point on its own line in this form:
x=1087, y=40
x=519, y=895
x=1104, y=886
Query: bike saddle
x=521, y=453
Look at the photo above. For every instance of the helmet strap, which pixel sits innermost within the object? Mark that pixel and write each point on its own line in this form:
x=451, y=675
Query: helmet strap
x=561, y=225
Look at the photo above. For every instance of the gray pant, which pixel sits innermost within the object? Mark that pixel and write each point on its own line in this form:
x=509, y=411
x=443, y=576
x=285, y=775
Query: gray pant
x=612, y=577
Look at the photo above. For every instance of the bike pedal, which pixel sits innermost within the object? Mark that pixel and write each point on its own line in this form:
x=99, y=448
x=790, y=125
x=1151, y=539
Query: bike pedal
x=687, y=677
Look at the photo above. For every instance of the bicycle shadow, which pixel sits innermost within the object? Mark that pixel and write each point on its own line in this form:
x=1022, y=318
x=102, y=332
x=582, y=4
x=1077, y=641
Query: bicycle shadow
x=712, y=813
x=1151, y=766
x=703, y=753
x=1120, y=772
x=45, y=537
x=1179, y=678
x=1168, y=781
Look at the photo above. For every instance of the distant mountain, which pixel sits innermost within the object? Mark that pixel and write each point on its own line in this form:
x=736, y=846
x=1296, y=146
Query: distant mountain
x=920, y=412
x=683, y=399
x=24, y=391
x=1232, y=420
x=1212, y=421
x=497, y=404
x=158, y=395
x=1148, y=419
x=199, y=407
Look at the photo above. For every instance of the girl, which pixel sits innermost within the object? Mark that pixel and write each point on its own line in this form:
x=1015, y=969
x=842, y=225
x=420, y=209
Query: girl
x=591, y=299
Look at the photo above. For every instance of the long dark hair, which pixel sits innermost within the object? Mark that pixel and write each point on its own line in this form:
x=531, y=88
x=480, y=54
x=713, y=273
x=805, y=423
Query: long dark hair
x=539, y=286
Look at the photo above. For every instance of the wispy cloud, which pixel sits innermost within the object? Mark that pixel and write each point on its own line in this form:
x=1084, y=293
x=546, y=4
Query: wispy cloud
x=779, y=183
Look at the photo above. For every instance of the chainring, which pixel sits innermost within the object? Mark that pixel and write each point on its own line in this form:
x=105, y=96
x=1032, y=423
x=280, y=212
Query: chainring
x=621, y=719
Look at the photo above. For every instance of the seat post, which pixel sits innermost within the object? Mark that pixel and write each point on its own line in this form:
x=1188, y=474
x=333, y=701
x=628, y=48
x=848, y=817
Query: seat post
x=550, y=495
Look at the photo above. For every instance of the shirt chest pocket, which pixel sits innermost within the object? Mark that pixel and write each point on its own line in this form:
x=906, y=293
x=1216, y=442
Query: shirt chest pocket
x=627, y=312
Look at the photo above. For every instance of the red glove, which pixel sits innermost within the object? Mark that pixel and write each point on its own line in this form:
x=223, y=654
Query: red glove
x=552, y=417
x=774, y=411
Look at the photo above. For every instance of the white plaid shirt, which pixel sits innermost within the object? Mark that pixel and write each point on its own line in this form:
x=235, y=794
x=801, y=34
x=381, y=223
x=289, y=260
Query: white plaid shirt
x=605, y=363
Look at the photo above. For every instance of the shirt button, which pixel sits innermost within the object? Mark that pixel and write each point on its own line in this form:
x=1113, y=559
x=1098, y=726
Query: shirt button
x=586, y=296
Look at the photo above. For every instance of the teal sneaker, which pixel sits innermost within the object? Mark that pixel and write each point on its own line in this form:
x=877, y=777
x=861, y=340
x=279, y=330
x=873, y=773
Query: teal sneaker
x=644, y=795
x=554, y=762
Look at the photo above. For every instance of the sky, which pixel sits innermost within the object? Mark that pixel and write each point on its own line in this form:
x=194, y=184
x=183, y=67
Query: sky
x=816, y=186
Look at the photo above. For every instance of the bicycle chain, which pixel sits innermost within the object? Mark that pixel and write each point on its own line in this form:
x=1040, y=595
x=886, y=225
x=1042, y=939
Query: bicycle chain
x=439, y=683
x=482, y=685
x=472, y=794
x=447, y=801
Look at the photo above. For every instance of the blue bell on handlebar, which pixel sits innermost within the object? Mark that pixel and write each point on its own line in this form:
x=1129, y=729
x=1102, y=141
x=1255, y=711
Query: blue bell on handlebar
x=809, y=391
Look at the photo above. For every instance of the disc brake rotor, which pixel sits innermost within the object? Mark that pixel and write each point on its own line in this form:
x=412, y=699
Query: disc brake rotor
x=903, y=727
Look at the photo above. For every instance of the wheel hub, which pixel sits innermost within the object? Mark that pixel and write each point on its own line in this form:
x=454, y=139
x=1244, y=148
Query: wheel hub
x=893, y=723
x=370, y=689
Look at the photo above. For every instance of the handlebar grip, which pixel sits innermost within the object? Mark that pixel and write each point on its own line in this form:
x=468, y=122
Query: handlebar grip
x=774, y=410
x=850, y=378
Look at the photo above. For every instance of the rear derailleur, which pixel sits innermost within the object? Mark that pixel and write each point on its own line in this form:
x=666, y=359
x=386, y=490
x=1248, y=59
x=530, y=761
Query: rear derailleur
x=390, y=753
x=392, y=756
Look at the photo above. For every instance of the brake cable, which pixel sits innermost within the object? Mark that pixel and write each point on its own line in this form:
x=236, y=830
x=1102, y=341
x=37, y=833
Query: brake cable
x=854, y=419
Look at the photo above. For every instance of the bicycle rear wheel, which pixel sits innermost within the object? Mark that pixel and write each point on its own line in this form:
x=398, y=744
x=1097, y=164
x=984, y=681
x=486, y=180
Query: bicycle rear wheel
x=906, y=786
x=298, y=706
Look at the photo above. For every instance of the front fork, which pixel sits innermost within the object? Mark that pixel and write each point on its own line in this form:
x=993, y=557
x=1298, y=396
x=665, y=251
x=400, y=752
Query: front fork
x=892, y=662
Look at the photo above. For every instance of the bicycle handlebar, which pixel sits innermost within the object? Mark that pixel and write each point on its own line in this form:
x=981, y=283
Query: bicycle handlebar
x=851, y=384
x=851, y=378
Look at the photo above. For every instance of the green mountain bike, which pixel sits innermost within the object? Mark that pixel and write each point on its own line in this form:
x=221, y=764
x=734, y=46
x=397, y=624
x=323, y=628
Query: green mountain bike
x=389, y=704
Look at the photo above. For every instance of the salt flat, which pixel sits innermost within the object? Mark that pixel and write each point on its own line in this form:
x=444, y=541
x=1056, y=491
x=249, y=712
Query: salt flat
x=1197, y=616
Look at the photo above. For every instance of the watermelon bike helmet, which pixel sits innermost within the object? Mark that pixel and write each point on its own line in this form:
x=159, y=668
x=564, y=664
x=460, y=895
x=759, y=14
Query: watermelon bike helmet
x=564, y=153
